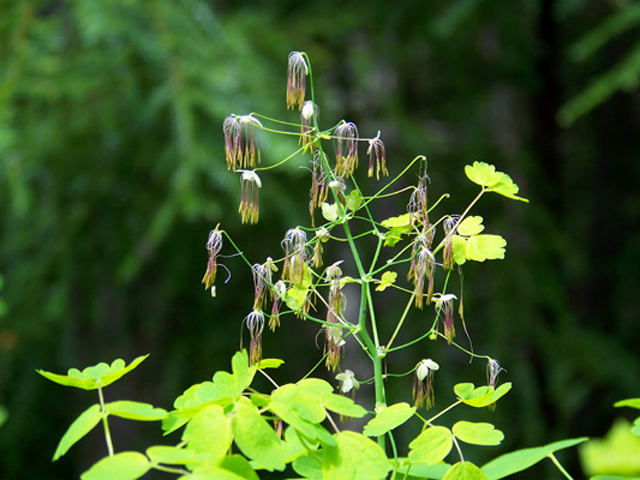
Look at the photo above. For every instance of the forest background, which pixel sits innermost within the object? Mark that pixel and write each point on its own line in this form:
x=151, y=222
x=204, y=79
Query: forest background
x=112, y=174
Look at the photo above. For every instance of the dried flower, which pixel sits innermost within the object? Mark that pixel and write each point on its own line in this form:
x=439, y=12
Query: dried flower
x=250, y=185
x=307, y=124
x=449, y=229
x=255, y=324
x=423, y=392
x=493, y=370
x=376, y=149
x=278, y=292
x=444, y=307
x=322, y=235
x=297, y=70
x=241, y=141
x=347, y=138
x=214, y=245
x=319, y=183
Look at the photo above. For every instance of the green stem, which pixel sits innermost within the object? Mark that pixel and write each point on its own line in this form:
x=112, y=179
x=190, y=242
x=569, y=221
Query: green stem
x=404, y=315
x=560, y=467
x=105, y=423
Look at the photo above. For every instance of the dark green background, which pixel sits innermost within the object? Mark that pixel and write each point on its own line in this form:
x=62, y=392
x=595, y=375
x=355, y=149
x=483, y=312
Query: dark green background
x=112, y=173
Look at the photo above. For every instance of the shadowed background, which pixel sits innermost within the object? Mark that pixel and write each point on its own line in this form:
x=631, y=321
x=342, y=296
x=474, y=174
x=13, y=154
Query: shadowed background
x=112, y=173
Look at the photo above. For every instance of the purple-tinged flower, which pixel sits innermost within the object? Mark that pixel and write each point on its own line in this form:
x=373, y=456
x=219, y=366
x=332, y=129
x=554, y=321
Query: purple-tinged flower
x=279, y=290
x=337, y=303
x=308, y=125
x=255, y=324
x=449, y=225
x=347, y=138
x=250, y=185
x=493, y=370
x=322, y=235
x=418, y=206
x=423, y=392
x=376, y=149
x=319, y=183
x=297, y=70
x=240, y=141
x=423, y=266
x=214, y=245
x=296, y=255
x=261, y=281
x=444, y=308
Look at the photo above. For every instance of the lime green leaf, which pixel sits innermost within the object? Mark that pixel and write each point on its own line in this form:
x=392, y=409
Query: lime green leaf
x=175, y=456
x=387, y=279
x=256, y=439
x=485, y=247
x=431, y=446
x=242, y=371
x=388, y=419
x=400, y=221
x=314, y=385
x=342, y=405
x=470, y=226
x=123, y=466
x=89, y=377
x=295, y=298
x=354, y=200
x=329, y=211
x=394, y=235
x=616, y=453
x=481, y=396
x=520, y=460
x=240, y=466
x=477, y=433
x=459, y=249
x=507, y=188
x=422, y=471
x=209, y=432
x=464, y=471
x=78, y=429
x=630, y=402
x=482, y=174
x=309, y=408
x=269, y=363
x=355, y=457
x=309, y=466
x=636, y=427
x=609, y=477
x=211, y=473
x=135, y=411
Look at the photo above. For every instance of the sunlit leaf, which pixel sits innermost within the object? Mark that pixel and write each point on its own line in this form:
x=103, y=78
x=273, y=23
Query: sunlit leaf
x=89, y=377
x=123, y=466
x=481, y=396
x=431, y=446
x=485, y=247
x=78, y=429
x=342, y=405
x=240, y=466
x=135, y=411
x=309, y=466
x=269, y=363
x=482, y=174
x=242, y=371
x=400, y=221
x=459, y=249
x=477, y=433
x=354, y=200
x=616, y=453
x=630, y=402
x=464, y=471
x=175, y=456
x=520, y=460
x=391, y=417
x=470, y=226
x=295, y=298
x=329, y=211
x=387, y=279
x=209, y=432
x=355, y=457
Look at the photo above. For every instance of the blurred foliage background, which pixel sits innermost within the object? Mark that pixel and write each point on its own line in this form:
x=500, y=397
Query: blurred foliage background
x=112, y=174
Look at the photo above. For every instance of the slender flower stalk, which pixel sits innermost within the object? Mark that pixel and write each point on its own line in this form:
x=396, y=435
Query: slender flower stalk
x=376, y=149
x=250, y=185
x=347, y=138
x=297, y=71
x=423, y=391
x=214, y=245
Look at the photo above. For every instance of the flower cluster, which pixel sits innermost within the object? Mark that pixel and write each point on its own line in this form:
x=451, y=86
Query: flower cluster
x=423, y=392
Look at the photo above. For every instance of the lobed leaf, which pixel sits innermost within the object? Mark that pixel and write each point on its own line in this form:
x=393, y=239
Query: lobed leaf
x=123, y=466
x=240, y=466
x=464, y=471
x=388, y=419
x=470, y=226
x=269, y=363
x=342, y=405
x=329, y=211
x=78, y=429
x=354, y=200
x=483, y=174
x=143, y=412
x=209, y=432
x=485, y=247
x=387, y=279
x=175, y=456
x=395, y=222
x=459, y=249
x=477, y=433
x=482, y=396
x=431, y=446
x=355, y=457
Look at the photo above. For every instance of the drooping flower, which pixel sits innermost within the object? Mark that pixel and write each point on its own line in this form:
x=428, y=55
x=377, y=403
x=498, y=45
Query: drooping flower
x=255, y=324
x=214, y=245
x=418, y=205
x=319, y=183
x=278, y=292
x=423, y=265
x=347, y=382
x=337, y=302
x=493, y=370
x=444, y=309
x=241, y=141
x=308, y=124
x=347, y=138
x=296, y=255
x=449, y=225
x=423, y=392
x=376, y=149
x=250, y=185
x=297, y=71
x=322, y=236
x=261, y=280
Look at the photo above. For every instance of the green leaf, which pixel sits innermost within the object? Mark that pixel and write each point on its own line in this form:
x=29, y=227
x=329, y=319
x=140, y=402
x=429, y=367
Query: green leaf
x=470, y=226
x=636, y=427
x=485, y=247
x=269, y=363
x=211, y=473
x=482, y=396
x=89, y=377
x=256, y=439
x=394, y=235
x=387, y=279
x=122, y=466
x=309, y=407
x=309, y=466
x=175, y=456
x=295, y=297
x=507, y=188
x=431, y=446
x=4, y=414
x=388, y=419
x=423, y=471
x=483, y=174
x=240, y=466
x=342, y=405
x=355, y=457
x=400, y=221
x=78, y=429
x=354, y=200
x=477, y=433
x=135, y=411
x=209, y=432
x=464, y=471
x=609, y=477
x=459, y=249
x=630, y=402
x=616, y=453
x=520, y=460
x=329, y=211
x=242, y=371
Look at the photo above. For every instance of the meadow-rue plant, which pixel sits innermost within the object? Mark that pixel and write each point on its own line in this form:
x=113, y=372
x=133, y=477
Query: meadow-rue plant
x=230, y=430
